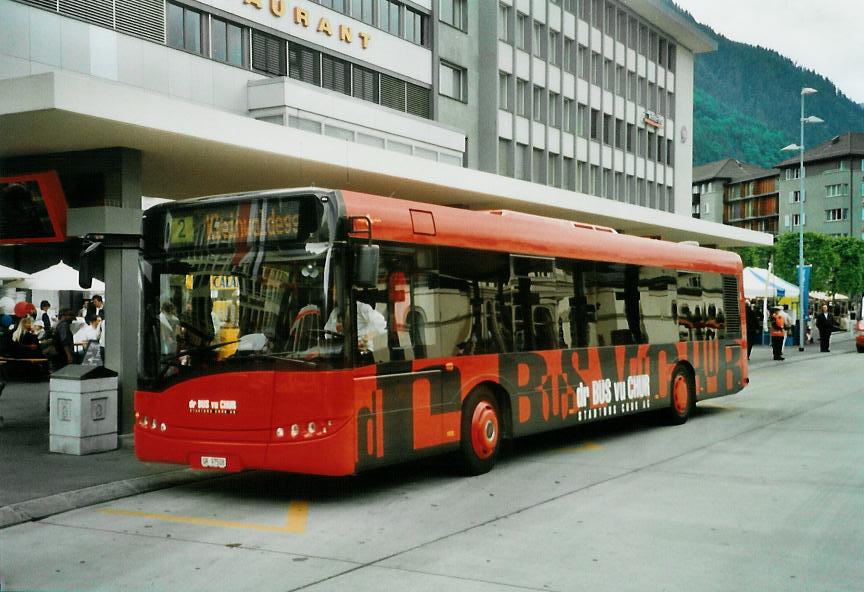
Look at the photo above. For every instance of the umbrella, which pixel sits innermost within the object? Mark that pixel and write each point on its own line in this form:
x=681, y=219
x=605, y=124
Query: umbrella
x=57, y=277
x=7, y=273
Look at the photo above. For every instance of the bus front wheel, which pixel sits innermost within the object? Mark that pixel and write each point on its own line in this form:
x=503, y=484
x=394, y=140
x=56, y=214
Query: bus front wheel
x=683, y=398
x=481, y=432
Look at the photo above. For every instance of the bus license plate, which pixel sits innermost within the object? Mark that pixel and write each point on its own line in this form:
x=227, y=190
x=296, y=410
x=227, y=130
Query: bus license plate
x=214, y=462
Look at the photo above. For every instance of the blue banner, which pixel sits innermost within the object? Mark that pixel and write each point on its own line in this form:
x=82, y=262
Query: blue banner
x=804, y=283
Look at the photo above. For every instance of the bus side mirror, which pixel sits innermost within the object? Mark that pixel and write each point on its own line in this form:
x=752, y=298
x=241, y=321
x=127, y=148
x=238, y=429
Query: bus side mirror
x=85, y=266
x=366, y=269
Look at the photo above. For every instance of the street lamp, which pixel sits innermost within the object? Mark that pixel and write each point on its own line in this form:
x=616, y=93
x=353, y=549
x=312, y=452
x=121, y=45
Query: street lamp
x=800, y=148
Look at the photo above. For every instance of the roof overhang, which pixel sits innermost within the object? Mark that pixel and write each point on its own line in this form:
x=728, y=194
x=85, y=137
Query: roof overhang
x=190, y=150
x=674, y=24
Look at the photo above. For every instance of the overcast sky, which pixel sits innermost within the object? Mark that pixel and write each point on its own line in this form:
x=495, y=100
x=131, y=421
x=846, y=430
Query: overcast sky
x=824, y=35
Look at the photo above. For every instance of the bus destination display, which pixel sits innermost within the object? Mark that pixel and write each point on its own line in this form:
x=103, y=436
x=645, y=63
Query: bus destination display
x=242, y=224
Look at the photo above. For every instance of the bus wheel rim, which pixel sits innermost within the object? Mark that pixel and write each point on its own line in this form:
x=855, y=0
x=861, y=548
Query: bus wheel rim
x=484, y=430
x=680, y=394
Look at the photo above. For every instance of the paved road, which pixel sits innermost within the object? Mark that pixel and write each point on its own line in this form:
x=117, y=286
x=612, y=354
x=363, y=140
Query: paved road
x=760, y=491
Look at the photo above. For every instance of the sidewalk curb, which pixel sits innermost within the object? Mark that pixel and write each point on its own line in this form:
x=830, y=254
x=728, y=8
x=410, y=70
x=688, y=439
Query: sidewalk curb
x=72, y=500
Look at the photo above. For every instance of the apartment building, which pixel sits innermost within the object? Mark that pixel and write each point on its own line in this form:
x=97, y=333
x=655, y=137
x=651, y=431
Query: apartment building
x=736, y=193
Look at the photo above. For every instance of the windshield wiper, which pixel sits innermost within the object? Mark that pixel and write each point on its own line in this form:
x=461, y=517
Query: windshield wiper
x=282, y=356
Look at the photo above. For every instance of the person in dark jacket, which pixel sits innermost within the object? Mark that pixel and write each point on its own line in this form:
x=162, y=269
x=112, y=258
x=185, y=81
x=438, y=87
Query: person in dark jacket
x=825, y=324
x=63, y=341
x=45, y=306
x=754, y=329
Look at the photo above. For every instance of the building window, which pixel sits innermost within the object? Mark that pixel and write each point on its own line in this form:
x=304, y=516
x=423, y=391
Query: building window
x=268, y=54
x=504, y=147
x=523, y=33
x=630, y=131
x=414, y=26
x=362, y=11
x=794, y=196
x=522, y=97
x=582, y=120
x=670, y=147
x=569, y=55
x=596, y=69
x=608, y=75
x=631, y=86
x=336, y=74
x=504, y=23
x=504, y=101
x=539, y=169
x=303, y=63
x=538, y=40
x=554, y=175
x=607, y=129
x=569, y=176
x=554, y=112
x=836, y=214
x=365, y=84
x=226, y=41
x=619, y=133
x=554, y=49
x=837, y=190
x=183, y=28
x=388, y=16
x=537, y=103
x=596, y=181
x=452, y=81
x=595, y=125
x=337, y=5
x=569, y=116
x=452, y=12
x=522, y=162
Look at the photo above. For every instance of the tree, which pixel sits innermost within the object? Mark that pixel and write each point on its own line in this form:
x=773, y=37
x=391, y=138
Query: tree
x=755, y=256
x=819, y=251
x=850, y=271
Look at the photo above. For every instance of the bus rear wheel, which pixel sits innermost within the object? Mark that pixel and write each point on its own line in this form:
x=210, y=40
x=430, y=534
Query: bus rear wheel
x=481, y=432
x=682, y=397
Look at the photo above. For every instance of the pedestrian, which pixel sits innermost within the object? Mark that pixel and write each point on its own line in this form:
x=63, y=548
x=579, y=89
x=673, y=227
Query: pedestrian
x=754, y=328
x=26, y=343
x=778, y=332
x=63, y=341
x=825, y=324
x=45, y=307
x=97, y=306
x=91, y=331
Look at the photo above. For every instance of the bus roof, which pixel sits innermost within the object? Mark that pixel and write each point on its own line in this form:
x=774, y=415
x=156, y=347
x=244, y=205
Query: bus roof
x=518, y=233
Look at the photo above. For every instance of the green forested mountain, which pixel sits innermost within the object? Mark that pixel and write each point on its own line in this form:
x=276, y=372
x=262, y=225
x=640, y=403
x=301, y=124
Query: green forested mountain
x=747, y=104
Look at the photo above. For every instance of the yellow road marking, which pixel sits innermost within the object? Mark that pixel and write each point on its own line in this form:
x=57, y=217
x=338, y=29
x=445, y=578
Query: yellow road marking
x=295, y=521
x=578, y=448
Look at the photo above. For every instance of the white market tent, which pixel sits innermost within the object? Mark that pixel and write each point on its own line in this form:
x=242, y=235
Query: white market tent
x=56, y=278
x=7, y=273
x=755, y=285
x=826, y=296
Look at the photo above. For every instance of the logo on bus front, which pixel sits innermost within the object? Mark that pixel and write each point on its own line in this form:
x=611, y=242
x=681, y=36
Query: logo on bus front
x=206, y=406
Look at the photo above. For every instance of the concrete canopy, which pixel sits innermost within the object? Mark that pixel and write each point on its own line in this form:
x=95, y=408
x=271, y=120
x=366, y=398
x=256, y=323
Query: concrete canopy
x=190, y=150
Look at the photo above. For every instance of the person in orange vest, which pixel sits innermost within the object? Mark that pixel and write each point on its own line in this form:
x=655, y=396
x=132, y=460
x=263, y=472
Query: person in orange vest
x=778, y=332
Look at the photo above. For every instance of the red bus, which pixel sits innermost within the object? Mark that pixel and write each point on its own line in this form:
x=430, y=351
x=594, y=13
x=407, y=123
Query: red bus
x=462, y=328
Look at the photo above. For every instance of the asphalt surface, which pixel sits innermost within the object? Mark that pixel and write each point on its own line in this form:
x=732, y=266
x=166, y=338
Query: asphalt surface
x=41, y=483
x=759, y=491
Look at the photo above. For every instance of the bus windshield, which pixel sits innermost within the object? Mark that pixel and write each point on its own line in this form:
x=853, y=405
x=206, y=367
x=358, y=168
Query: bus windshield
x=206, y=313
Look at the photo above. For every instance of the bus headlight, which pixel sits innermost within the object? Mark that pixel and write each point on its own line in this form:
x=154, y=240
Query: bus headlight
x=295, y=430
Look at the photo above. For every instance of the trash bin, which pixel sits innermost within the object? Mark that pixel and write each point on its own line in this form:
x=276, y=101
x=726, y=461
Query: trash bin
x=83, y=409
